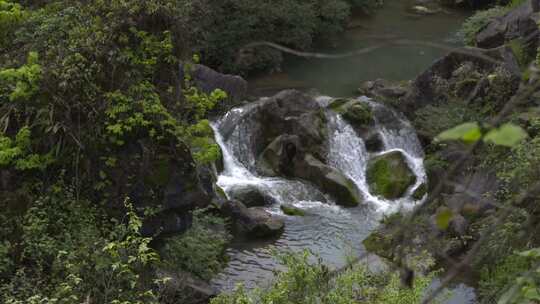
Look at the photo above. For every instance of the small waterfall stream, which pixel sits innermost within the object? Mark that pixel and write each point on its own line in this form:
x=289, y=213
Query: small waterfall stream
x=328, y=230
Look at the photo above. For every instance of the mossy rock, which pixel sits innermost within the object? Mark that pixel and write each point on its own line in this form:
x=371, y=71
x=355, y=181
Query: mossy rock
x=380, y=243
x=354, y=111
x=389, y=175
x=420, y=192
x=292, y=211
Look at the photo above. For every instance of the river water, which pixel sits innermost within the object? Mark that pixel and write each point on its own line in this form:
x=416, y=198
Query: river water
x=328, y=230
x=342, y=77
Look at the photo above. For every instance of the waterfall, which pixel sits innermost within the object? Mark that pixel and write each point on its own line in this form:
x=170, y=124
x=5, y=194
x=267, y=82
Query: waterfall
x=347, y=153
x=327, y=229
x=236, y=174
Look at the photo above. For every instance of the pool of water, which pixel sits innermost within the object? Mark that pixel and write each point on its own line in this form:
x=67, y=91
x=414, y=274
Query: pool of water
x=342, y=77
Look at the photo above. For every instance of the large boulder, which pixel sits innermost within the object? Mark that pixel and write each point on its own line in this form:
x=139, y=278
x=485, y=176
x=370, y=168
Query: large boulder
x=289, y=113
x=470, y=74
x=520, y=23
x=250, y=196
x=164, y=178
x=252, y=222
x=285, y=157
x=209, y=80
x=383, y=90
x=329, y=180
x=357, y=113
x=389, y=175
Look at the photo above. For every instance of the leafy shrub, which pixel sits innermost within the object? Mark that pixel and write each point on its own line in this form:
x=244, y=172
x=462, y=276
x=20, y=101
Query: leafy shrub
x=493, y=282
x=71, y=253
x=305, y=282
x=200, y=250
x=290, y=22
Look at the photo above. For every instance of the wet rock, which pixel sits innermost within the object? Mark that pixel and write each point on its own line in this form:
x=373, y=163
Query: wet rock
x=251, y=196
x=278, y=158
x=252, y=222
x=357, y=113
x=165, y=178
x=420, y=192
x=329, y=180
x=380, y=243
x=292, y=210
x=521, y=22
x=289, y=113
x=374, y=143
x=383, y=90
x=389, y=175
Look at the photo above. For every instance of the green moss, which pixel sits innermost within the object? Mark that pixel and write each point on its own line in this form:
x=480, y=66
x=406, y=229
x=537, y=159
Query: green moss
x=352, y=110
x=520, y=51
x=476, y=22
x=380, y=244
x=389, y=175
x=291, y=210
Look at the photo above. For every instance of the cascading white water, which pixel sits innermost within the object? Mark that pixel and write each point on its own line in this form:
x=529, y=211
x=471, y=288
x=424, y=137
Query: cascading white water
x=348, y=152
x=327, y=229
x=235, y=174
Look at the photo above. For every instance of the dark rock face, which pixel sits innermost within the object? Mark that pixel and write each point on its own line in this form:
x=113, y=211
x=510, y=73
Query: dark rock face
x=355, y=112
x=290, y=113
x=389, y=175
x=209, y=80
x=251, y=196
x=329, y=180
x=383, y=90
x=518, y=23
x=162, y=177
x=374, y=143
x=252, y=222
x=472, y=75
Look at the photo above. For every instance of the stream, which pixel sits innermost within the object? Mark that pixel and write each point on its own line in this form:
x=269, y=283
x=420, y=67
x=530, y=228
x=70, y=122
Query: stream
x=328, y=230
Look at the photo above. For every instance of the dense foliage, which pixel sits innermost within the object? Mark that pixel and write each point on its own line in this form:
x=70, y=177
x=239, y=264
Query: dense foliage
x=306, y=282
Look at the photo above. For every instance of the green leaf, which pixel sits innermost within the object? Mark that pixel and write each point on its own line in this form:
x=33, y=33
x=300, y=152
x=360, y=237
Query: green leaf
x=508, y=135
x=443, y=218
x=469, y=132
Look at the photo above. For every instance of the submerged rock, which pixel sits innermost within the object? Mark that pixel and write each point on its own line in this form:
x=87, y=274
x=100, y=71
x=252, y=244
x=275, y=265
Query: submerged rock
x=292, y=210
x=252, y=222
x=389, y=175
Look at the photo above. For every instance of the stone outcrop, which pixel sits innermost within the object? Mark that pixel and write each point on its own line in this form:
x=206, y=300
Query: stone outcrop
x=520, y=23
x=389, y=175
x=252, y=222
